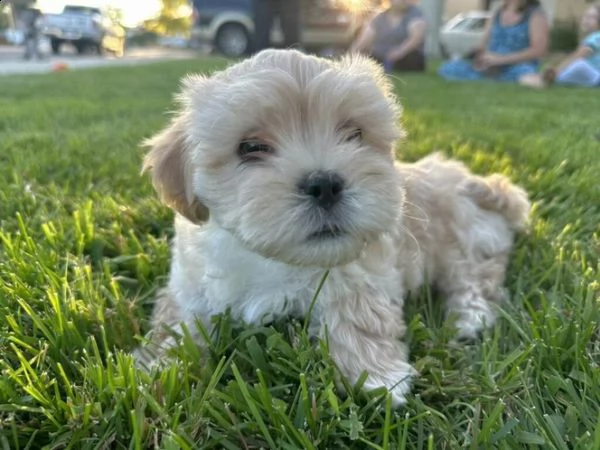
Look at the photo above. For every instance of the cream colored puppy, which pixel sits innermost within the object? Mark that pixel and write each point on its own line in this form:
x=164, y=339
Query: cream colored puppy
x=281, y=167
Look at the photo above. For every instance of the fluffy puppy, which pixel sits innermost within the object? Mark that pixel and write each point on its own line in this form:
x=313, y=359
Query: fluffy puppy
x=281, y=167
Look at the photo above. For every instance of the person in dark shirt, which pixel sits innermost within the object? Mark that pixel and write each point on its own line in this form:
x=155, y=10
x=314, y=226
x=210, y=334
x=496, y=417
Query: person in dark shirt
x=32, y=20
x=265, y=11
x=396, y=37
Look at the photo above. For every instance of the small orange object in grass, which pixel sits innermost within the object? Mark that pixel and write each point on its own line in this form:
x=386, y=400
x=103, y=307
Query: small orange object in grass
x=60, y=67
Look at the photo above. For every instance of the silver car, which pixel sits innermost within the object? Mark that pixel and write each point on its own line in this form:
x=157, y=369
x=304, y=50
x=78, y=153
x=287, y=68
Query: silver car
x=464, y=33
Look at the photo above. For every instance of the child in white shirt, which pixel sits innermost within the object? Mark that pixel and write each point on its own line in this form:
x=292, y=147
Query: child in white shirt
x=582, y=67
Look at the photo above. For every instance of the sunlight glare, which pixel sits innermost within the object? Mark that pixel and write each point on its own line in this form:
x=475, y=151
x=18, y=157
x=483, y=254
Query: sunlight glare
x=355, y=6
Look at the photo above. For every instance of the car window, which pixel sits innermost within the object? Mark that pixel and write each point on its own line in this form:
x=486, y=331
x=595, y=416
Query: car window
x=460, y=25
x=470, y=24
x=478, y=24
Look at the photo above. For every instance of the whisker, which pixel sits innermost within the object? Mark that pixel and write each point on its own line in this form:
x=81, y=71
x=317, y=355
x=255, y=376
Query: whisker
x=414, y=239
x=425, y=217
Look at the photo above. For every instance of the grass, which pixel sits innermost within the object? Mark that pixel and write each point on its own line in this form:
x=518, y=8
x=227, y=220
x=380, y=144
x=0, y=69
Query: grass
x=84, y=245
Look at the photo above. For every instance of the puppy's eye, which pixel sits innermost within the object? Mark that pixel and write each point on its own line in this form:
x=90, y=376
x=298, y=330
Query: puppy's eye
x=350, y=133
x=355, y=135
x=253, y=149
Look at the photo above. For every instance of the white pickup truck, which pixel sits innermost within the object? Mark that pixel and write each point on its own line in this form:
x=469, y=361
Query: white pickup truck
x=86, y=28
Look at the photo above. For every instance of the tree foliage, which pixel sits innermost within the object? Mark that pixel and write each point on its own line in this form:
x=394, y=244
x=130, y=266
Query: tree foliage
x=115, y=14
x=3, y=16
x=18, y=4
x=174, y=18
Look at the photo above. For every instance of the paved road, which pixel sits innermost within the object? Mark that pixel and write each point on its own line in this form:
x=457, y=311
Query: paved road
x=12, y=63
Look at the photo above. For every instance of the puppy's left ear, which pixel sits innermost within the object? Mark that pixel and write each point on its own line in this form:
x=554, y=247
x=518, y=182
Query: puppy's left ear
x=171, y=171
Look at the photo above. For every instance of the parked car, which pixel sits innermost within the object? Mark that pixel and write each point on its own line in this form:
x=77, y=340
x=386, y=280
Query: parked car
x=173, y=41
x=463, y=33
x=86, y=28
x=228, y=25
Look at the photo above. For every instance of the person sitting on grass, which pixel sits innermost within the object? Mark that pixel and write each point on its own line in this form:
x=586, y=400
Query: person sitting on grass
x=516, y=37
x=582, y=67
x=396, y=37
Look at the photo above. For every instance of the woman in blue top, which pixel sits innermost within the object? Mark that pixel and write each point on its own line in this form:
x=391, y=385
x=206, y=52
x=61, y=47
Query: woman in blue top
x=515, y=39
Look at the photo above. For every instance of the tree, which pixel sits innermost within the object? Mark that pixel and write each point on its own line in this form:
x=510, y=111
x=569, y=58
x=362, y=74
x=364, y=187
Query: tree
x=20, y=4
x=115, y=14
x=175, y=17
x=434, y=11
x=4, y=17
x=10, y=11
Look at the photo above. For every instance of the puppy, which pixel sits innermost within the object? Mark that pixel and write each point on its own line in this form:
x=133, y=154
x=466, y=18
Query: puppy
x=282, y=167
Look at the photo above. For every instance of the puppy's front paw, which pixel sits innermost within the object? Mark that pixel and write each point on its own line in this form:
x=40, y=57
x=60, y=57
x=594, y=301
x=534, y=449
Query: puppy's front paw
x=144, y=359
x=472, y=313
x=153, y=355
x=471, y=322
x=397, y=382
x=384, y=360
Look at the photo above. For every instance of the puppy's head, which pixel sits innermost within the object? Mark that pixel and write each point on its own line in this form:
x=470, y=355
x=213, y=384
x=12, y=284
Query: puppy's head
x=290, y=153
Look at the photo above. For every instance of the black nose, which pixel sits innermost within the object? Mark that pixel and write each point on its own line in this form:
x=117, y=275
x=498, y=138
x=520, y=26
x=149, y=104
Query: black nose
x=324, y=187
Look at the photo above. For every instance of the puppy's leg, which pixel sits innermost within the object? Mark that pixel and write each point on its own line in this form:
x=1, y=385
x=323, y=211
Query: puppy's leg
x=472, y=293
x=166, y=326
x=363, y=332
x=472, y=311
x=473, y=271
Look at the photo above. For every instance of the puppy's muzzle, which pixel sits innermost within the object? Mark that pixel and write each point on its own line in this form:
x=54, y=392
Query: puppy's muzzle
x=324, y=188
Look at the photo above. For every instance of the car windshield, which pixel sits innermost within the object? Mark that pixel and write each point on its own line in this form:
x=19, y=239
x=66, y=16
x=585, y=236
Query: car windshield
x=81, y=10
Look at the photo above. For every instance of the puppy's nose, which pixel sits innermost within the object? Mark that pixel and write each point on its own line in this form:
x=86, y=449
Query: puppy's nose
x=324, y=187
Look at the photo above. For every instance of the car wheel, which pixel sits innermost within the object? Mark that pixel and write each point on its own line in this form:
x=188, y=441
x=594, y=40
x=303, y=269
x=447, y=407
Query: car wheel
x=80, y=47
x=55, y=46
x=100, y=50
x=232, y=40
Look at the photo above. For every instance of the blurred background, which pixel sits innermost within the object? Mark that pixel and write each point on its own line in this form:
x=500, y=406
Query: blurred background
x=103, y=29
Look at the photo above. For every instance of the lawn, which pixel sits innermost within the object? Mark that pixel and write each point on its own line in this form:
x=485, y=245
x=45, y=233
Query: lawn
x=84, y=245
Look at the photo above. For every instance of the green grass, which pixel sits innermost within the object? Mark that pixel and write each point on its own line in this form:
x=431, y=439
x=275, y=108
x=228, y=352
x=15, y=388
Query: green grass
x=84, y=245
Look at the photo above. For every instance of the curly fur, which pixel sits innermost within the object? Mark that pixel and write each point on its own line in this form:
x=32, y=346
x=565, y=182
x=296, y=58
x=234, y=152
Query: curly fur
x=243, y=230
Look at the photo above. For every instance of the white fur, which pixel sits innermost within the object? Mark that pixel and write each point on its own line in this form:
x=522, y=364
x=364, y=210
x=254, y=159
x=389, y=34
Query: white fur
x=242, y=233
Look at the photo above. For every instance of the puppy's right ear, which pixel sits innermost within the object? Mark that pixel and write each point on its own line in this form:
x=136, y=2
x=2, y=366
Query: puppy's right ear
x=171, y=171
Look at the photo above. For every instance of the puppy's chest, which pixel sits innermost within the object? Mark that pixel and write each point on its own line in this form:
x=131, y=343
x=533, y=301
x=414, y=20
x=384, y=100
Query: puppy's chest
x=254, y=289
x=258, y=296
x=217, y=275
